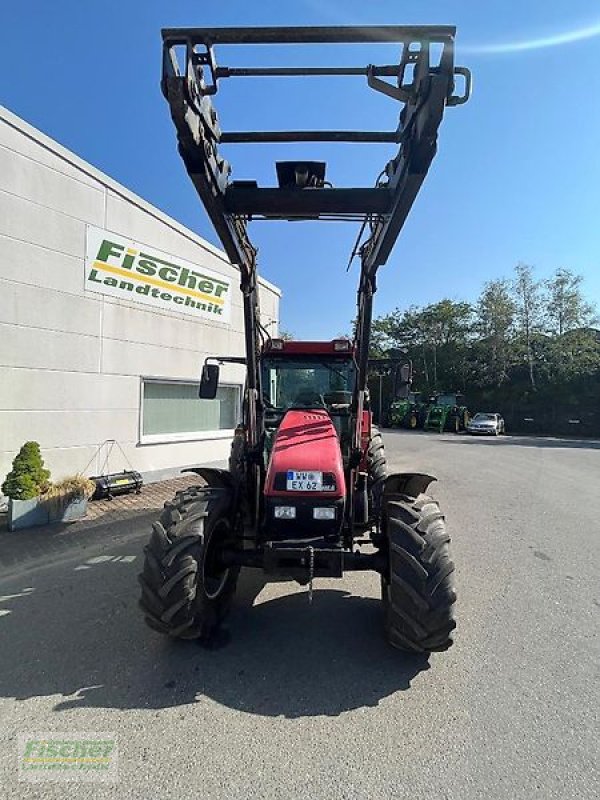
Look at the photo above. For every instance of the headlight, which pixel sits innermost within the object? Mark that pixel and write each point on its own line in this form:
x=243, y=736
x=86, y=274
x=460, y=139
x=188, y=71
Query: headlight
x=285, y=512
x=323, y=513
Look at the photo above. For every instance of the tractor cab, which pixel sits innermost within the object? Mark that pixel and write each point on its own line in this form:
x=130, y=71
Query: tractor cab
x=450, y=399
x=308, y=376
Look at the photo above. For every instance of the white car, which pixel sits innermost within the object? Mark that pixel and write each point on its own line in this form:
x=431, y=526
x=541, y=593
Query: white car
x=486, y=423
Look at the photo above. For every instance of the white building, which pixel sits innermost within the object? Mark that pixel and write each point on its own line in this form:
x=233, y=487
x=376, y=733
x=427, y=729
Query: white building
x=80, y=362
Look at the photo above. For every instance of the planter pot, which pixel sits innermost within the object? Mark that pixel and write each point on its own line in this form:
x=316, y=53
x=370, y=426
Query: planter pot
x=36, y=512
x=26, y=514
x=69, y=510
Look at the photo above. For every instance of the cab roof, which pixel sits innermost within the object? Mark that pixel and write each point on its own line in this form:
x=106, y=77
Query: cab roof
x=337, y=347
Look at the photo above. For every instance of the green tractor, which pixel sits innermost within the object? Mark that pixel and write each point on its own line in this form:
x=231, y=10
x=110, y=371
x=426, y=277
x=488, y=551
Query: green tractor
x=447, y=412
x=408, y=412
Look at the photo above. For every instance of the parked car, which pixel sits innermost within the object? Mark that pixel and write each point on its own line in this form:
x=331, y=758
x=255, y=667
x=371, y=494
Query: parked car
x=486, y=423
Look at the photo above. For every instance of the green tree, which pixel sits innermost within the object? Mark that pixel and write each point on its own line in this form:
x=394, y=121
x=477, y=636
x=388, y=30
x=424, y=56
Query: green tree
x=495, y=321
x=574, y=355
x=525, y=344
x=527, y=293
x=28, y=478
x=400, y=330
x=447, y=328
x=566, y=307
x=435, y=338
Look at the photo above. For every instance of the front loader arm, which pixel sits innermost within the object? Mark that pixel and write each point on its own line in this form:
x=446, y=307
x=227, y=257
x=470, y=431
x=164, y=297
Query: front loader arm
x=423, y=82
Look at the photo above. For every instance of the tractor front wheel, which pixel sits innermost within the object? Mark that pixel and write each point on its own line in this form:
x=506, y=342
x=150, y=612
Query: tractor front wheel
x=186, y=591
x=417, y=591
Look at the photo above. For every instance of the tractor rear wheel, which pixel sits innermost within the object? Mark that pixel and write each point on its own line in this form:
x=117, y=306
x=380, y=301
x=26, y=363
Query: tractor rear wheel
x=418, y=591
x=186, y=592
x=376, y=473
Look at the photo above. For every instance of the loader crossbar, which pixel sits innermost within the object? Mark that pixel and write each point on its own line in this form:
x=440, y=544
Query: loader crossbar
x=323, y=34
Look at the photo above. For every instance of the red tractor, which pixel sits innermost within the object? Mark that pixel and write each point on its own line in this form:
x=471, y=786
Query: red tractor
x=307, y=493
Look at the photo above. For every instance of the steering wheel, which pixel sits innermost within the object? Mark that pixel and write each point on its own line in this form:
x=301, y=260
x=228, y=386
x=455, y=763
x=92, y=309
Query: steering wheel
x=308, y=399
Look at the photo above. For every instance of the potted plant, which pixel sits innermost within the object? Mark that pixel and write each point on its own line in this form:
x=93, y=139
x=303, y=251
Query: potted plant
x=24, y=485
x=67, y=500
x=34, y=500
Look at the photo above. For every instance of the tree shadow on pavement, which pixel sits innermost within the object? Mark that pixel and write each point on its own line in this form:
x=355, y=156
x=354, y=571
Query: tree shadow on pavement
x=55, y=541
x=284, y=656
x=524, y=441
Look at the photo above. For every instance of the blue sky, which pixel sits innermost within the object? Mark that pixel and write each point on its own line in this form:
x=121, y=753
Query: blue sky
x=516, y=178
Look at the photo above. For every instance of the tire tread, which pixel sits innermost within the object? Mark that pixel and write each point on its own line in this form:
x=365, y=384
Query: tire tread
x=171, y=598
x=418, y=592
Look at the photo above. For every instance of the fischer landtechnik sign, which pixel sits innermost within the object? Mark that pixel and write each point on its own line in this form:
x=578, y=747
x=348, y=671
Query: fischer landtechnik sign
x=123, y=268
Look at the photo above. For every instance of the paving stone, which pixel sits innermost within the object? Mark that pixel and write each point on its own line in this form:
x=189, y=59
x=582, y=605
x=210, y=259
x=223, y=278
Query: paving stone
x=124, y=514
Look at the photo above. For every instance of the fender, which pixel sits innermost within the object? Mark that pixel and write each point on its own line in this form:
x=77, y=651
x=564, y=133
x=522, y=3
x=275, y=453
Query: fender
x=411, y=484
x=215, y=478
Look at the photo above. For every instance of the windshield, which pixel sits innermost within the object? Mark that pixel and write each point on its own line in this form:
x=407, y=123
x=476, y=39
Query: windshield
x=446, y=400
x=482, y=417
x=288, y=382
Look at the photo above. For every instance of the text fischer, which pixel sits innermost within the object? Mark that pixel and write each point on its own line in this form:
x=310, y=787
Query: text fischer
x=187, y=286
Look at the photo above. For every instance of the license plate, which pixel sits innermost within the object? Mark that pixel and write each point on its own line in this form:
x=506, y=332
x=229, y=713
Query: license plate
x=121, y=482
x=304, y=481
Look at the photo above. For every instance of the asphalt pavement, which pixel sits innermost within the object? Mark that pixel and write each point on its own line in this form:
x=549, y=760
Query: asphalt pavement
x=308, y=701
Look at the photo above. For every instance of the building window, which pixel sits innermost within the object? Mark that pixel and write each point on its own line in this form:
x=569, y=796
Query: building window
x=173, y=410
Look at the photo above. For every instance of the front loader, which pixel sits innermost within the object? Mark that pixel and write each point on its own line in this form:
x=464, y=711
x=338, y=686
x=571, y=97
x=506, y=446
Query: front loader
x=307, y=493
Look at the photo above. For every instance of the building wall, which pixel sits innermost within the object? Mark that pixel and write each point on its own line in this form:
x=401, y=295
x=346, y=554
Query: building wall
x=71, y=361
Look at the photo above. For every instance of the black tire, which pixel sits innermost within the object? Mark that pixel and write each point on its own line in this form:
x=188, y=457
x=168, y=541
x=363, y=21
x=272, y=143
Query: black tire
x=376, y=473
x=236, y=455
x=184, y=593
x=418, y=592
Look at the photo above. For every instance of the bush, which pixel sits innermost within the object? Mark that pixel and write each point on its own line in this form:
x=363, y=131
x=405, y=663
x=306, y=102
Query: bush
x=75, y=486
x=28, y=478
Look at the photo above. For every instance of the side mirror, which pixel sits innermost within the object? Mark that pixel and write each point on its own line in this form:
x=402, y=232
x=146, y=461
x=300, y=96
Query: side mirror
x=209, y=382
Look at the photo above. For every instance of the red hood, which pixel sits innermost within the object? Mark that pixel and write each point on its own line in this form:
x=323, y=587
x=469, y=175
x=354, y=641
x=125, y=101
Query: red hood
x=306, y=440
